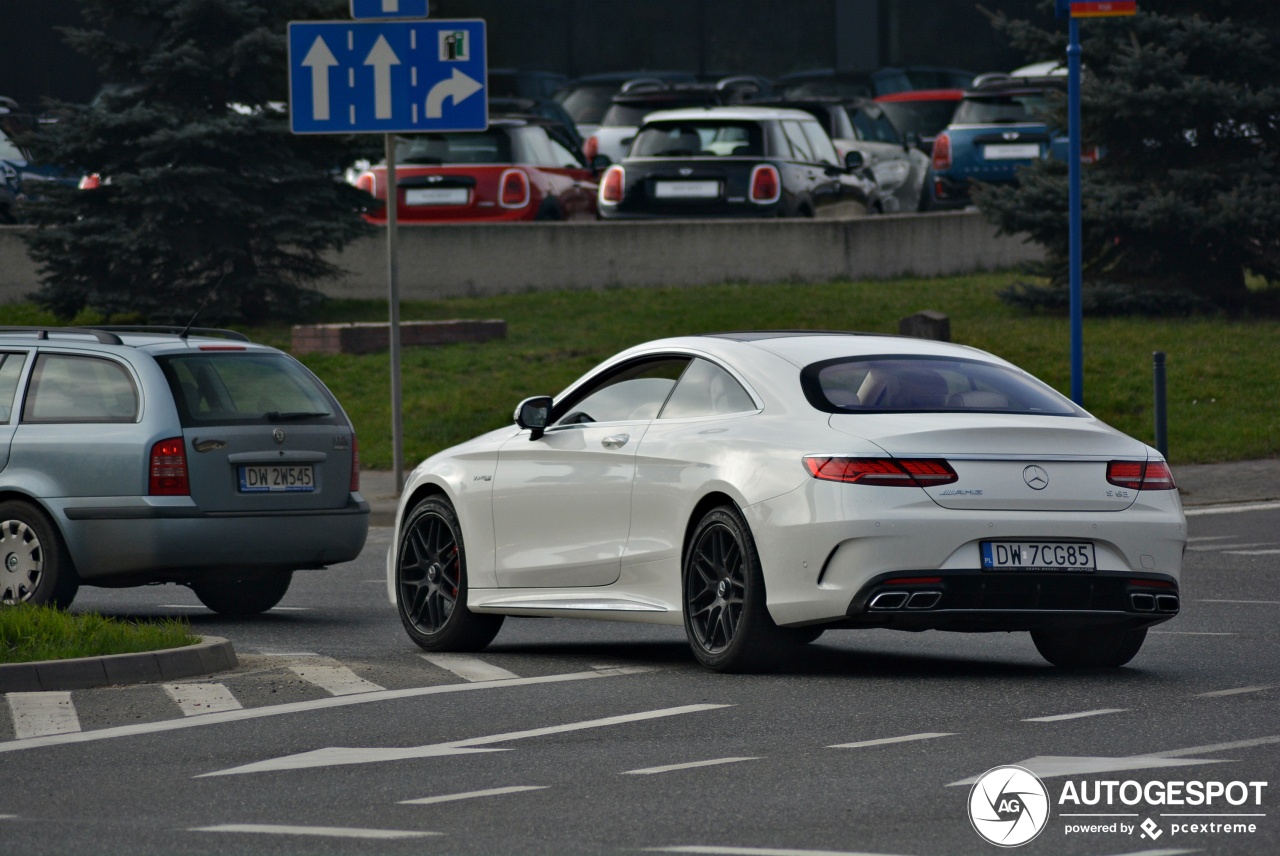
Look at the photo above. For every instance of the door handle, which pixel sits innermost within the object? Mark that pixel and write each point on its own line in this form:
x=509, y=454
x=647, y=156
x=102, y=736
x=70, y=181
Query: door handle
x=615, y=441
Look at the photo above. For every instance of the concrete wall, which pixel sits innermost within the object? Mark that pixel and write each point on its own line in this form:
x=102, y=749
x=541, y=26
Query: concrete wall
x=458, y=260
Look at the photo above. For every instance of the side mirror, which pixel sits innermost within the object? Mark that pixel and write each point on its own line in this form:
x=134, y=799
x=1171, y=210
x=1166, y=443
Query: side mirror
x=534, y=413
x=600, y=163
x=854, y=161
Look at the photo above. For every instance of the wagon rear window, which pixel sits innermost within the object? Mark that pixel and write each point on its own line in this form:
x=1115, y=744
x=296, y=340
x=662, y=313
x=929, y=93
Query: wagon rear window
x=896, y=384
x=246, y=389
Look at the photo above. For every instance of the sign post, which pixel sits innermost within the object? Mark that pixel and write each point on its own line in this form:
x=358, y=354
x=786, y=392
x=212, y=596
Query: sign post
x=1075, y=11
x=388, y=77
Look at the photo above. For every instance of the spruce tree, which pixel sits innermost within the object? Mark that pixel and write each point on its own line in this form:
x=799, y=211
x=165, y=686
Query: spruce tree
x=1183, y=101
x=206, y=197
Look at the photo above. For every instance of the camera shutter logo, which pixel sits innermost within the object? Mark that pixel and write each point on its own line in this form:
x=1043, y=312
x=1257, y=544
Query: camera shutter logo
x=1008, y=806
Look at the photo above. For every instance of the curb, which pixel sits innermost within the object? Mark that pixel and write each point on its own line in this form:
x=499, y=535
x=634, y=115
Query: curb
x=212, y=654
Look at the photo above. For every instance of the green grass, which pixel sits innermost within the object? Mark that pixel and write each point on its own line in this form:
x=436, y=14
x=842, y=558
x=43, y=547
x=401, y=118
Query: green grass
x=1222, y=375
x=29, y=633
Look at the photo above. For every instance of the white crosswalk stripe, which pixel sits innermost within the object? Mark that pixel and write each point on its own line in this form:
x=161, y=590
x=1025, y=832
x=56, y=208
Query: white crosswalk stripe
x=40, y=714
x=197, y=698
x=469, y=668
x=333, y=677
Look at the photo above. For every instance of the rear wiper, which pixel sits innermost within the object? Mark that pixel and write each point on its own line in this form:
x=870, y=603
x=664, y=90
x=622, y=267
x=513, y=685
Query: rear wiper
x=278, y=416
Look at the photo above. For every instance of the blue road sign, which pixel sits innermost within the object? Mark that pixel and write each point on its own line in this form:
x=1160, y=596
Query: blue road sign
x=352, y=77
x=389, y=8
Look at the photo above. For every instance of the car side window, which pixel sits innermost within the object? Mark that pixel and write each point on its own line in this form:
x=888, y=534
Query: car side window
x=820, y=143
x=705, y=389
x=10, y=372
x=799, y=145
x=65, y=388
x=874, y=126
x=637, y=392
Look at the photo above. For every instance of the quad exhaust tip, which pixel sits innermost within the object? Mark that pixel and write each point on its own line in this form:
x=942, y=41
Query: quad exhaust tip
x=889, y=600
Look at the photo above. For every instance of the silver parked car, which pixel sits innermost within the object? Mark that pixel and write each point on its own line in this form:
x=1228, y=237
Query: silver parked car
x=144, y=455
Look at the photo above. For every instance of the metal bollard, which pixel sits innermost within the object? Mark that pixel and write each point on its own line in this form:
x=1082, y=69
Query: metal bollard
x=1162, y=410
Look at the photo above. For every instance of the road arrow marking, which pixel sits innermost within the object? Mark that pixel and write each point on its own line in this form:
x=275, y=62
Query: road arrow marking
x=335, y=756
x=319, y=59
x=382, y=58
x=459, y=87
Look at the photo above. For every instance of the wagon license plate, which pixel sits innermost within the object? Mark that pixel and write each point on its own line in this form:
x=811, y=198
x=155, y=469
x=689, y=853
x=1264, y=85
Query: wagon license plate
x=1011, y=151
x=277, y=478
x=1038, y=556
x=686, y=189
x=437, y=196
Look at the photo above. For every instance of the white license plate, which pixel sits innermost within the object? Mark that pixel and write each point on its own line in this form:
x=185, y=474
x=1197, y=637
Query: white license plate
x=686, y=189
x=276, y=478
x=1038, y=556
x=1011, y=151
x=437, y=196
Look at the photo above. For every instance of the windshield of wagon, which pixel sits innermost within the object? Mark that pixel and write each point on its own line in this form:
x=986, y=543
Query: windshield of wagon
x=896, y=384
x=699, y=139
x=247, y=389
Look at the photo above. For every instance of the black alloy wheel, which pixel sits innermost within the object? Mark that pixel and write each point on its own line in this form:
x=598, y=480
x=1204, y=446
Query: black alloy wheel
x=725, y=616
x=431, y=583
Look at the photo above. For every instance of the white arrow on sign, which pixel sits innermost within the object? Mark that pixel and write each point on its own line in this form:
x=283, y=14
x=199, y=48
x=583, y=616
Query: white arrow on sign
x=460, y=87
x=319, y=59
x=382, y=58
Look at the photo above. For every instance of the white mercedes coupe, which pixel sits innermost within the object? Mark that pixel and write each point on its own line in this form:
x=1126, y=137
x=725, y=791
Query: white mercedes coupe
x=764, y=487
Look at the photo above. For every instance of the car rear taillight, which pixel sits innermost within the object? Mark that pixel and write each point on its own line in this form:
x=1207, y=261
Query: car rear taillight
x=884, y=472
x=766, y=185
x=355, y=464
x=514, y=189
x=366, y=183
x=169, y=468
x=1140, y=475
x=613, y=185
x=591, y=148
x=942, y=152
x=92, y=181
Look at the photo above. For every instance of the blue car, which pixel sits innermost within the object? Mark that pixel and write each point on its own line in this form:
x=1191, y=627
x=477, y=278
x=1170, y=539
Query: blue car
x=998, y=127
x=20, y=179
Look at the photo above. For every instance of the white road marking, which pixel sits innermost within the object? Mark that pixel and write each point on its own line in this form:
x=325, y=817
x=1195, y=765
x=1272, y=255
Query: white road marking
x=41, y=714
x=324, y=831
x=296, y=707
x=7, y=816
x=755, y=851
x=1216, y=747
x=1231, y=509
x=1165, y=852
x=1065, y=716
x=1214, y=548
x=491, y=792
x=1237, y=691
x=334, y=678
x=689, y=766
x=1188, y=633
x=1272, y=602
x=1251, y=552
x=334, y=756
x=1047, y=766
x=469, y=668
x=1199, y=538
x=928, y=735
x=197, y=699
x=288, y=654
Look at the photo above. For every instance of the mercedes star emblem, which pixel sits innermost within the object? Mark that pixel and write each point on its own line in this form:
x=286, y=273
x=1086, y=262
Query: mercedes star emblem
x=1035, y=477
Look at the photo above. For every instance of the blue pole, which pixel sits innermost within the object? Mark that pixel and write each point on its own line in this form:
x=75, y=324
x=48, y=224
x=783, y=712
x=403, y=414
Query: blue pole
x=1073, y=156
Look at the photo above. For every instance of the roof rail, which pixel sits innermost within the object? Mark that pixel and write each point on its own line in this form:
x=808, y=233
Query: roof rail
x=176, y=330
x=104, y=336
x=643, y=84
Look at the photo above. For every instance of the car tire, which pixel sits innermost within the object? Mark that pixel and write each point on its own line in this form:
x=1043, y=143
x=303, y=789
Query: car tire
x=431, y=582
x=1089, y=647
x=549, y=212
x=249, y=596
x=34, y=564
x=725, y=616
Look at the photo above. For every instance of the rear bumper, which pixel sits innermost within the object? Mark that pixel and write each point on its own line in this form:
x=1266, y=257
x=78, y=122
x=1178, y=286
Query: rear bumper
x=131, y=542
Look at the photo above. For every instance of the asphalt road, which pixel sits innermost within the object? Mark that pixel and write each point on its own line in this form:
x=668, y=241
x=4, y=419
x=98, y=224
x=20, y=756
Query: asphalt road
x=336, y=736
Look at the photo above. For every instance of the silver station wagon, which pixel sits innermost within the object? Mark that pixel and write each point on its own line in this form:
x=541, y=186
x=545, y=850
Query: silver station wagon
x=131, y=456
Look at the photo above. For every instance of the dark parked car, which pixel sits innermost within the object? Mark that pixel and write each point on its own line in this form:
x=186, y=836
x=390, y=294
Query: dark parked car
x=588, y=98
x=923, y=112
x=852, y=84
x=533, y=83
x=521, y=168
x=736, y=162
x=998, y=127
x=20, y=178
x=545, y=108
x=859, y=125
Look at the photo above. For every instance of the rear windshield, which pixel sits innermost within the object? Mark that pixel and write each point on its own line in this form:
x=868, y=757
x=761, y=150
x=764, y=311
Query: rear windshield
x=1001, y=110
x=587, y=104
x=896, y=384
x=492, y=146
x=247, y=389
x=925, y=118
x=699, y=139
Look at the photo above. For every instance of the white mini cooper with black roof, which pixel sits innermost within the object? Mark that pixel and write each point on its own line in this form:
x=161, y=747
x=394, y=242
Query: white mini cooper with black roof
x=145, y=455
